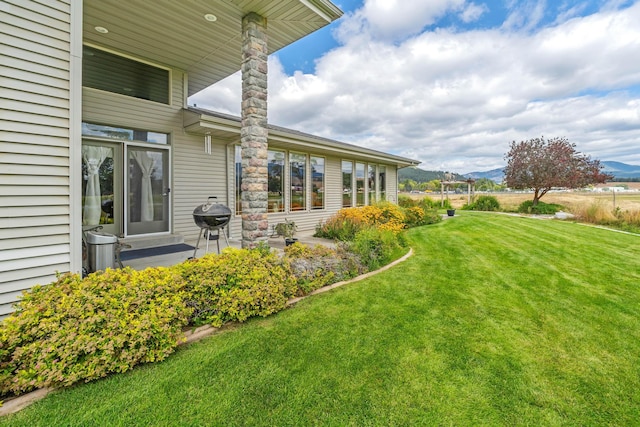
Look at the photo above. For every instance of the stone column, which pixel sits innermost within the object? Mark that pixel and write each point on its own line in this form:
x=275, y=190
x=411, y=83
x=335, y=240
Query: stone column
x=253, y=133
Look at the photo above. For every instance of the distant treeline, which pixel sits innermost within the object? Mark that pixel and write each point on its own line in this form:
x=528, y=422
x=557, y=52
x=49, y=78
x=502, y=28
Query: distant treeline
x=421, y=175
x=615, y=179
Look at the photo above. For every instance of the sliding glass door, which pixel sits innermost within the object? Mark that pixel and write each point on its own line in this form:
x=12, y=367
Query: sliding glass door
x=147, y=190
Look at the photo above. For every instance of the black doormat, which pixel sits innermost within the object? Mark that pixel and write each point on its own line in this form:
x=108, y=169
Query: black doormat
x=158, y=250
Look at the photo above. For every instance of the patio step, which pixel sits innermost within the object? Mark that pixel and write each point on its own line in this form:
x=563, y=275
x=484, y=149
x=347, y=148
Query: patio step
x=153, y=241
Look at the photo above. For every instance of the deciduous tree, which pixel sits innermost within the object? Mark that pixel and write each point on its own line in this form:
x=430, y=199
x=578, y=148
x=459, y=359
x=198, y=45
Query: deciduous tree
x=540, y=165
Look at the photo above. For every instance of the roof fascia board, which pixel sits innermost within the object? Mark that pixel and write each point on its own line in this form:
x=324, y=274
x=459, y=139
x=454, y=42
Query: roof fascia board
x=198, y=126
x=298, y=140
x=294, y=138
x=325, y=9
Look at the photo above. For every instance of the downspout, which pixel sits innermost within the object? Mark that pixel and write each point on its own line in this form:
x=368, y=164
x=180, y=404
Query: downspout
x=75, y=138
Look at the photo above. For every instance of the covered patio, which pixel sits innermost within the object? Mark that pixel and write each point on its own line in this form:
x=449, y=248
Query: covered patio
x=168, y=259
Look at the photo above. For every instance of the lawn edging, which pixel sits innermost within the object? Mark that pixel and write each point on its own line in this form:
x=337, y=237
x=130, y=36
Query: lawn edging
x=193, y=334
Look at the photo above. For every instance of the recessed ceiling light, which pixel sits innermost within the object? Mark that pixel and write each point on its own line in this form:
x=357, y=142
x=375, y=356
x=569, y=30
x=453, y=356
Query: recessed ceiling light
x=102, y=30
x=210, y=17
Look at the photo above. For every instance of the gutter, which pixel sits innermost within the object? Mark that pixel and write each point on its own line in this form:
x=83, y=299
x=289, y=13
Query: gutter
x=323, y=8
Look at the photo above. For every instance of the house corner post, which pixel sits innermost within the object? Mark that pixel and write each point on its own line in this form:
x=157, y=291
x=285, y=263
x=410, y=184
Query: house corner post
x=254, y=133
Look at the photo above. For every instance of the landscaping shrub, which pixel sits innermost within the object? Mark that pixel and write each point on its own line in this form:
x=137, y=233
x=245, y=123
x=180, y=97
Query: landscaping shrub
x=484, y=203
x=406, y=201
x=427, y=203
x=347, y=222
x=385, y=216
x=236, y=285
x=80, y=329
x=376, y=247
x=421, y=213
x=430, y=209
x=540, y=209
x=338, y=227
x=414, y=216
x=320, y=266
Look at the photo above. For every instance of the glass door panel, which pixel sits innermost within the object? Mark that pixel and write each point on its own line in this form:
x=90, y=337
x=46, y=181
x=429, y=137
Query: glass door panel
x=102, y=186
x=148, y=190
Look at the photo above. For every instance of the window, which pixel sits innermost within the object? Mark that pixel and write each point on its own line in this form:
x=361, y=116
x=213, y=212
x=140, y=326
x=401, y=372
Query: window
x=124, y=134
x=98, y=184
x=360, y=184
x=117, y=74
x=372, y=184
x=276, y=181
x=298, y=167
x=382, y=182
x=238, y=166
x=317, y=182
x=347, y=184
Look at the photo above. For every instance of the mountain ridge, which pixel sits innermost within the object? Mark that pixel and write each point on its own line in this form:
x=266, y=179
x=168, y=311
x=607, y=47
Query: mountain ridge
x=619, y=170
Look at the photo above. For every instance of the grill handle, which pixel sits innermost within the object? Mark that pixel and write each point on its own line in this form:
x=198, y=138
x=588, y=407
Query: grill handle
x=207, y=205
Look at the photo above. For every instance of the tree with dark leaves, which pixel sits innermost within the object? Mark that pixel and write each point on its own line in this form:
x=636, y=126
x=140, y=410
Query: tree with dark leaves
x=540, y=165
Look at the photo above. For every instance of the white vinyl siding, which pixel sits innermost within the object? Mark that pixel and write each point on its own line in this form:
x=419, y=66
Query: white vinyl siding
x=197, y=176
x=392, y=184
x=35, y=145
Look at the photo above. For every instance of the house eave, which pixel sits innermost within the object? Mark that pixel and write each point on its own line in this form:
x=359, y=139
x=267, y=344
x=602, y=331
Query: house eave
x=178, y=36
x=227, y=128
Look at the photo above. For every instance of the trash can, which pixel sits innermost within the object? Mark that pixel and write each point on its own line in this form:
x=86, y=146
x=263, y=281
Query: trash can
x=101, y=250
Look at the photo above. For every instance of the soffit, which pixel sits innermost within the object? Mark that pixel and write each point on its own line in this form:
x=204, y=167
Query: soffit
x=175, y=34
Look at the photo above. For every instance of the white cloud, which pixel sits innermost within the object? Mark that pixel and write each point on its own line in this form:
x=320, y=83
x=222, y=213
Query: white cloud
x=472, y=12
x=454, y=100
x=394, y=20
x=525, y=15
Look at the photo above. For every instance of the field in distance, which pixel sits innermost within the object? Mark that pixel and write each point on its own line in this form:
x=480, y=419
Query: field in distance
x=509, y=201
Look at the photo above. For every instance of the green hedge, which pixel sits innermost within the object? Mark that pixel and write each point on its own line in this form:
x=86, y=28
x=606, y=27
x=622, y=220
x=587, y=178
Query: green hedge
x=540, y=209
x=484, y=203
x=376, y=247
x=236, y=285
x=80, y=329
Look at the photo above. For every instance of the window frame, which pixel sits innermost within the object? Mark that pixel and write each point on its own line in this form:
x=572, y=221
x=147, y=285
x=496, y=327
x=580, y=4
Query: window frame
x=361, y=196
x=372, y=183
x=124, y=92
x=350, y=181
x=303, y=176
x=313, y=181
x=382, y=182
x=280, y=202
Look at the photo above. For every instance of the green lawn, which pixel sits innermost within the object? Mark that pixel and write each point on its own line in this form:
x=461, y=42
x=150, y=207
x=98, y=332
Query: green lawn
x=496, y=320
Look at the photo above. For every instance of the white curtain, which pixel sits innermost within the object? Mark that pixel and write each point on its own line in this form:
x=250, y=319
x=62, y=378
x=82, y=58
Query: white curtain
x=146, y=164
x=93, y=157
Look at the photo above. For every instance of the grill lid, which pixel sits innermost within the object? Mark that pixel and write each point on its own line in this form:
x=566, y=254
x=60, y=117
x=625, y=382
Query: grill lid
x=212, y=209
x=211, y=215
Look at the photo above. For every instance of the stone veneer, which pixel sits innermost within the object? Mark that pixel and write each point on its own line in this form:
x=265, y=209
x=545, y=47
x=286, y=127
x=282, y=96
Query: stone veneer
x=253, y=133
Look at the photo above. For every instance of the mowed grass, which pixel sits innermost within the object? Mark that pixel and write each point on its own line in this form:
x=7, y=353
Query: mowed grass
x=496, y=320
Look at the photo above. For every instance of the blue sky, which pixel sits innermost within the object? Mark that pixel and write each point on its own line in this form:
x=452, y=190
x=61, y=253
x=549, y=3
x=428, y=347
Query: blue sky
x=452, y=82
x=301, y=56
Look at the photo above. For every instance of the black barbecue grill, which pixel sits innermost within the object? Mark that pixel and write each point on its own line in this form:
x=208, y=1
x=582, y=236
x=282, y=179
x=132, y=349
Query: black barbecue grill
x=211, y=216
